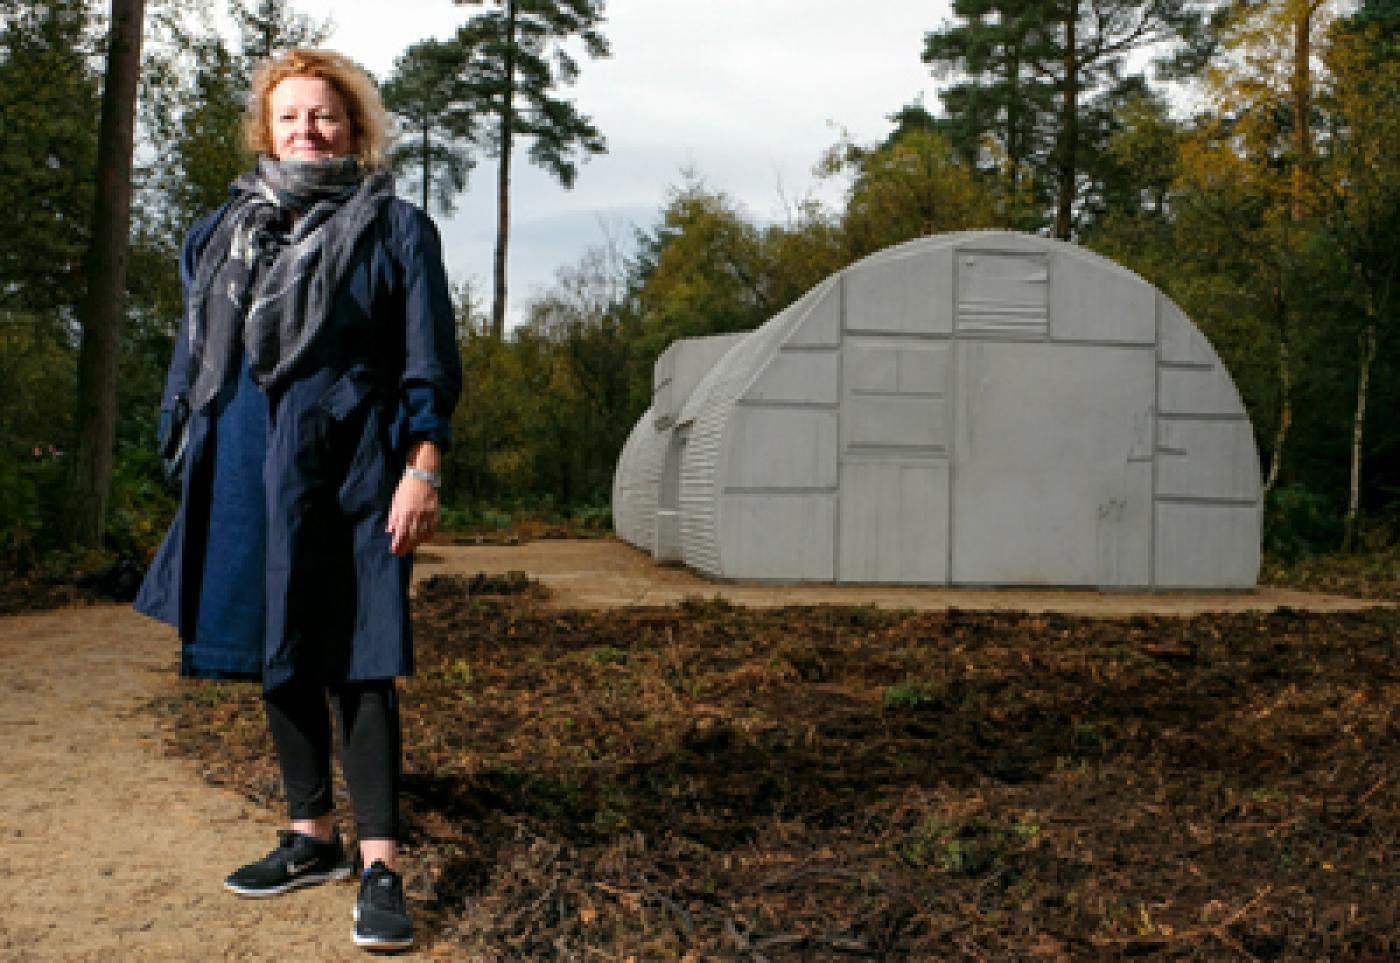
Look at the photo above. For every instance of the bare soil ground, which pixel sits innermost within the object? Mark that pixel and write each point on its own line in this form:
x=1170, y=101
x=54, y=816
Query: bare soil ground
x=1178, y=777
x=605, y=573
x=112, y=849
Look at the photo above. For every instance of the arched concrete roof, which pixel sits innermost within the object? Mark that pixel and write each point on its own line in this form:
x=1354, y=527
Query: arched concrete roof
x=975, y=408
x=636, y=489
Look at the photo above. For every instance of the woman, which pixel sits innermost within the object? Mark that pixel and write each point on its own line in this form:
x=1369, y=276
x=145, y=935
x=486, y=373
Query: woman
x=318, y=365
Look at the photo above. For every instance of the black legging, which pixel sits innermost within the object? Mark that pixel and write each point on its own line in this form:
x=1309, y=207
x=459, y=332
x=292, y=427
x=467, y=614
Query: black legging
x=368, y=721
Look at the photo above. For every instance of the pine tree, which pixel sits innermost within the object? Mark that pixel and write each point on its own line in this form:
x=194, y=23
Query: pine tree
x=268, y=27
x=49, y=104
x=1037, y=75
x=426, y=93
x=516, y=60
x=1000, y=118
x=49, y=99
x=90, y=478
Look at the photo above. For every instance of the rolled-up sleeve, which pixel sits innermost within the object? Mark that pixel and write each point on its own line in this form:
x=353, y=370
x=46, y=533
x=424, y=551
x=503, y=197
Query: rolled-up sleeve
x=432, y=375
x=429, y=418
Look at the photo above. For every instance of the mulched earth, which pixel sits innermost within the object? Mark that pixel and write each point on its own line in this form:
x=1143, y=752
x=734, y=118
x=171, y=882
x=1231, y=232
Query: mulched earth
x=827, y=783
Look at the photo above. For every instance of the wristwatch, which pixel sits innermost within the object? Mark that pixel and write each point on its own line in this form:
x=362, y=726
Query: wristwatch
x=433, y=478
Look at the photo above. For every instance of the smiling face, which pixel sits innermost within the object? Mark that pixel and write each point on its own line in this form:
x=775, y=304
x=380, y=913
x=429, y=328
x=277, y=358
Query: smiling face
x=308, y=121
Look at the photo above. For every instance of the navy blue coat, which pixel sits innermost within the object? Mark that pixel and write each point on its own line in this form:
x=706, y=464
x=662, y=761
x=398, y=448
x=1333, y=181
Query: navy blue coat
x=383, y=373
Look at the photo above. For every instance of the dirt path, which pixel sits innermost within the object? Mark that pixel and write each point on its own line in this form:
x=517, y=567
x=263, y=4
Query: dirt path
x=113, y=851
x=602, y=573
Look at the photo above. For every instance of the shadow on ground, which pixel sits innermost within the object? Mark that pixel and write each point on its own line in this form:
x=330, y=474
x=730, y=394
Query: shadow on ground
x=701, y=781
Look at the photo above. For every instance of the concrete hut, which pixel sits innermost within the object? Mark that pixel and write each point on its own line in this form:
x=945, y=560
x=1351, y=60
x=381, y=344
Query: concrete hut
x=981, y=408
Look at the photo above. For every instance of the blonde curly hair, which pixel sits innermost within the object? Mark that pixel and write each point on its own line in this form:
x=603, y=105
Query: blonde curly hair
x=369, y=122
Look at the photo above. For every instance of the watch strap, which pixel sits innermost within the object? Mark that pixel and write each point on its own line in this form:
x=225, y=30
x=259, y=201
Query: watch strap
x=433, y=478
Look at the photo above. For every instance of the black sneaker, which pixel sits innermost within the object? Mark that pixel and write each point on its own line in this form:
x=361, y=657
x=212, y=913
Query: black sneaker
x=297, y=861
x=381, y=914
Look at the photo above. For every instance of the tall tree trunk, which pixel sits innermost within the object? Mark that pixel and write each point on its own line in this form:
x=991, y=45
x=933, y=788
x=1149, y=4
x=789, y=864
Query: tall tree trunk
x=1285, y=391
x=498, y=300
x=1363, y=384
x=1301, y=90
x=90, y=474
x=427, y=161
x=1015, y=149
x=1069, y=126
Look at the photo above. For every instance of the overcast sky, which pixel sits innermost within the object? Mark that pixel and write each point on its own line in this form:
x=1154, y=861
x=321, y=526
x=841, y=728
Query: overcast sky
x=747, y=93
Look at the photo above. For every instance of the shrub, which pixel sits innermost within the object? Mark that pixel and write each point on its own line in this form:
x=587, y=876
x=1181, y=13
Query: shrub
x=1300, y=522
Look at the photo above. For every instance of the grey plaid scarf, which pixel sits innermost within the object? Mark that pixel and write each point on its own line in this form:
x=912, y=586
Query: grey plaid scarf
x=271, y=280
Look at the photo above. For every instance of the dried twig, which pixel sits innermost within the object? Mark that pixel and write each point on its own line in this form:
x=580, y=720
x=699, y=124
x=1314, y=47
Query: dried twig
x=1217, y=931
x=788, y=876
x=1373, y=790
x=679, y=912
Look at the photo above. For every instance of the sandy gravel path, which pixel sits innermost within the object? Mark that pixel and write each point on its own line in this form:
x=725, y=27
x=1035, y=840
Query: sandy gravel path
x=112, y=851
x=602, y=573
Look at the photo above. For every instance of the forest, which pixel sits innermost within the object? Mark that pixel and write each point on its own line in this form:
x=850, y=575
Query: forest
x=1238, y=154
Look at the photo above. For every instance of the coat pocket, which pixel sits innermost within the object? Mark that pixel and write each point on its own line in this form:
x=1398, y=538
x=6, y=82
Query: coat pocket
x=323, y=433
x=348, y=393
x=358, y=434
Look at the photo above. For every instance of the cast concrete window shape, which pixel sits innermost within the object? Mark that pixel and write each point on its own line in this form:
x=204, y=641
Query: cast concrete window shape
x=979, y=408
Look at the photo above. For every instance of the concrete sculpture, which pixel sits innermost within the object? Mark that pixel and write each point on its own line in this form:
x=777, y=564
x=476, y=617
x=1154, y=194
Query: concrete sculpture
x=981, y=408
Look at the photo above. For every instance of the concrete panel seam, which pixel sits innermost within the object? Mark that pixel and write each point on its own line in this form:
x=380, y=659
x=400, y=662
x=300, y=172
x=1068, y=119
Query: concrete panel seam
x=1004, y=330
x=1026, y=252
x=1224, y=502
x=902, y=457
x=1105, y=343
x=893, y=339
x=952, y=415
x=762, y=403
x=972, y=337
x=995, y=311
x=909, y=457
x=878, y=393
x=766, y=490
x=1202, y=416
x=1156, y=415
x=938, y=451
x=841, y=315
x=893, y=333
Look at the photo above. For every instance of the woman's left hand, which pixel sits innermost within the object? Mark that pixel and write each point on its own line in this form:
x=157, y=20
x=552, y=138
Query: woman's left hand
x=413, y=514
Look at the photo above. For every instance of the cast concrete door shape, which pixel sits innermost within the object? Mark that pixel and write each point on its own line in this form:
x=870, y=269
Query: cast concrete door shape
x=981, y=408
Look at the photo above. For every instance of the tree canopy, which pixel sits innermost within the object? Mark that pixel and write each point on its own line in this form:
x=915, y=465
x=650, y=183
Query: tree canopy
x=1268, y=213
x=439, y=129
x=516, y=63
